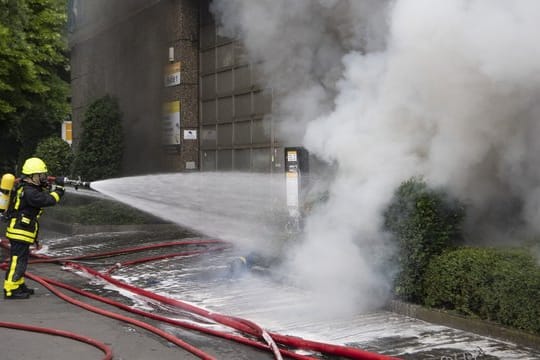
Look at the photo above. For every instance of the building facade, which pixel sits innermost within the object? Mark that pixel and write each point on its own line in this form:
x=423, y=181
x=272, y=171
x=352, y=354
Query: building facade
x=190, y=98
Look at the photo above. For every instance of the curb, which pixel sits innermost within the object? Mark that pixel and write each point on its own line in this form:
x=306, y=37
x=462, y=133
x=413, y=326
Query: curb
x=476, y=326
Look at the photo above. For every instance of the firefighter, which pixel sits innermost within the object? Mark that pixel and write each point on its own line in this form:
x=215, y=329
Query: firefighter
x=30, y=196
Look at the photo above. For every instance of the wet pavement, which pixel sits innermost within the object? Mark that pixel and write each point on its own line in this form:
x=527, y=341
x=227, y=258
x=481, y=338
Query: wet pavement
x=206, y=280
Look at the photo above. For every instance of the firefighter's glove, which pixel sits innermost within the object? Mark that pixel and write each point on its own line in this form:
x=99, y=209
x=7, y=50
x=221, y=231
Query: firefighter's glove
x=60, y=181
x=59, y=190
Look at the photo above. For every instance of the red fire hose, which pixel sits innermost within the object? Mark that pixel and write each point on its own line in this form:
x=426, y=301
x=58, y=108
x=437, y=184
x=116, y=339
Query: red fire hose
x=101, y=346
x=46, y=259
x=238, y=324
x=180, y=323
x=162, y=257
x=112, y=315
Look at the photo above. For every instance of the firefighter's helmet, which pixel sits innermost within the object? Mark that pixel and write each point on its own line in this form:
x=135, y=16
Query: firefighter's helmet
x=34, y=165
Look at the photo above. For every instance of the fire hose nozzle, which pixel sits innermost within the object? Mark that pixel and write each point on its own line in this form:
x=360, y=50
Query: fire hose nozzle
x=77, y=183
x=63, y=181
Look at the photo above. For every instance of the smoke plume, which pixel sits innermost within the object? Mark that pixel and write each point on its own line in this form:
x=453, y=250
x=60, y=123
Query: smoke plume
x=392, y=89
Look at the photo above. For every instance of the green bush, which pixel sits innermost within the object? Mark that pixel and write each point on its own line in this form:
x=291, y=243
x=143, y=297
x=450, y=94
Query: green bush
x=99, y=154
x=492, y=284
x=57, y=154
x=424, y=222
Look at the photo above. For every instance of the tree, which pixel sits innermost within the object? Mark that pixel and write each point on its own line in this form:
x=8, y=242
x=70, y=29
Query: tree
x=99, y=154
x=33, y=75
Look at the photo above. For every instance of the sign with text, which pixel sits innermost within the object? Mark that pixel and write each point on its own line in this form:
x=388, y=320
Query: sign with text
x=172, y=74
x=190, y=134
x=170, y=123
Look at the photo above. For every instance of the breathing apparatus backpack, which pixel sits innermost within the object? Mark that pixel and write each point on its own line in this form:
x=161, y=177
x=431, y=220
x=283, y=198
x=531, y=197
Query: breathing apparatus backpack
x=8, y=192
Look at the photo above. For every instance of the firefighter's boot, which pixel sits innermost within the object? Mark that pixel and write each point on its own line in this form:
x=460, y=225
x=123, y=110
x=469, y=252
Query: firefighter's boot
x=27, y=289
x=16, y=294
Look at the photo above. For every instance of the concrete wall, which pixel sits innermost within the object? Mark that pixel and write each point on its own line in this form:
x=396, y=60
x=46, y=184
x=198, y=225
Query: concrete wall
x=236, y=126
x=121, y=49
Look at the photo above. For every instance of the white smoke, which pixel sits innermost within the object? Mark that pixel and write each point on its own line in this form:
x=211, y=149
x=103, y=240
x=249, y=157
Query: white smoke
x=391, y=89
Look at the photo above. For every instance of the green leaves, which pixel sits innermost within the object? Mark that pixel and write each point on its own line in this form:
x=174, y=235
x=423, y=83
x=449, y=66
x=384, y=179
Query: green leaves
x=101, y=145
x=32, y=68
x=501, y=285
x=57, y=154
x=424, y=223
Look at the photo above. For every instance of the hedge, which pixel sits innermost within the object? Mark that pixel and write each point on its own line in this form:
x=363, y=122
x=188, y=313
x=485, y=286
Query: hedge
x=424, y=222
x=100, y=151
x=57, y=154
x=501, y=285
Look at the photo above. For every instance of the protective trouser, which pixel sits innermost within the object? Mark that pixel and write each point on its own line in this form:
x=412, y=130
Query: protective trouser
x=19, y=254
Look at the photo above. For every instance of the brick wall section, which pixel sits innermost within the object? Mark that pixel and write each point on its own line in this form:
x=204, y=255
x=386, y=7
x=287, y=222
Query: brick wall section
x=184, y=34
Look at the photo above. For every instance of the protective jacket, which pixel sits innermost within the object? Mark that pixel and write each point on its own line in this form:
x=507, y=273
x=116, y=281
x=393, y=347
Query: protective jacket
x=28, y=203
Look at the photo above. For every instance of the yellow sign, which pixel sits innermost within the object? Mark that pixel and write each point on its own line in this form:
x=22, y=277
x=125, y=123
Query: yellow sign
x=170, y=124
x=67, y=133
x=172, y=74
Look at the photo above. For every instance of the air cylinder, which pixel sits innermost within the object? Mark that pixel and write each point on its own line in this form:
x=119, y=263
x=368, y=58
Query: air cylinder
x=6, y=185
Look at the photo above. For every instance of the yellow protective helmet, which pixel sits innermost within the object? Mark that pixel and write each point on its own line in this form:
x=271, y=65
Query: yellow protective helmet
x=34, y=165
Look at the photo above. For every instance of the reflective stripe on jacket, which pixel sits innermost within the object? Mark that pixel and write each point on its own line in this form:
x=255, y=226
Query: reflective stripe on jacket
x=29, y=201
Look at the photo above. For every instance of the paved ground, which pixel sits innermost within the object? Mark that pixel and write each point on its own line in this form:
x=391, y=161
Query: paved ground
x=381, y=331
x=128, y=342
x=47, y=310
